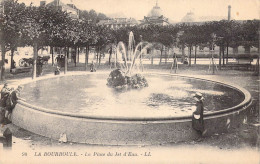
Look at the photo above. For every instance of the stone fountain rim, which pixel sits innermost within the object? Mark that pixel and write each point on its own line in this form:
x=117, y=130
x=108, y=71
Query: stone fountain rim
x=236, y=109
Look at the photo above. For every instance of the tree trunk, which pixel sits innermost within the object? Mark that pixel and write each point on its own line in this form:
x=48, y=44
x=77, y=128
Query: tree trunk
x=182, y=53
x=66, y=61
x=3, y=62
x=195, y=57
x=78, y=54
x=227, y=53
x=190, y=55
x=257, y=66
x=35, y=55
x=52, y=57
x=99, y=62
x=223, y=55
x=165, y=55
x=75, y=56
x=220, y=49
x=116, y=60
x=12, y=60
x=161, y=55
x=110, y=54
x=86, y=57
x=97, y=54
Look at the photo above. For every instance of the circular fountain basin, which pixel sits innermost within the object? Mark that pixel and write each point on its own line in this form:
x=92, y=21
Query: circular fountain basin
x=83, y=108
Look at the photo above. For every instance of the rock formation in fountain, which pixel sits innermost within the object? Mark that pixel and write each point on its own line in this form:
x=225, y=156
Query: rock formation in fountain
x=119, y=80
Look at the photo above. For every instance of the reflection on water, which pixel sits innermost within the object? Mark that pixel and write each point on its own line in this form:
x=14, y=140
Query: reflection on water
x=165, y=96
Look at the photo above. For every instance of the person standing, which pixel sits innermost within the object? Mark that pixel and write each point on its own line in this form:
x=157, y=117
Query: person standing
x=198, y=116
x=92, y=67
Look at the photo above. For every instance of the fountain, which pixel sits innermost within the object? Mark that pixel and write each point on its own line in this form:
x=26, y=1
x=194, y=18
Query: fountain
x=122, y=77
x=94, y=113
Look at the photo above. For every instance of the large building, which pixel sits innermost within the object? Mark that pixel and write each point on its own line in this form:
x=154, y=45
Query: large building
x=189, y=17
x=155, y=16
x=116, y=23
x=69, y=8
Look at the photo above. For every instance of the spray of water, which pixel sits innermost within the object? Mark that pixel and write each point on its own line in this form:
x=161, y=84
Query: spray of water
x=120, y=50
x=137, y=54
x=132, y=54
x=131, y=44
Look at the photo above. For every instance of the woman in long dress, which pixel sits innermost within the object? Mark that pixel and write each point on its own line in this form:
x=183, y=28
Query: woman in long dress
x=197, y=116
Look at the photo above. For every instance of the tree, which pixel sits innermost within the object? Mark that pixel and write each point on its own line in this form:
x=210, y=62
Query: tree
x=83, y=15
x=249, y=33
x=34, y=32
x=87, y=37
x=55, y=21
x=101, y=16
x=12, y=18
x=103, y=37
x=93, y=16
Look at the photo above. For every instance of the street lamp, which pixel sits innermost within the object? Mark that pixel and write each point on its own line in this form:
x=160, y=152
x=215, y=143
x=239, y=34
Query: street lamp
x=179, y=34
x=175, y=62
x=212, y=63
x=220, y=38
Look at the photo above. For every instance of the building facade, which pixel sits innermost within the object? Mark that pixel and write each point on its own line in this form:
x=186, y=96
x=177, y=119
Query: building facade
x=116, y=23
x=71, y=9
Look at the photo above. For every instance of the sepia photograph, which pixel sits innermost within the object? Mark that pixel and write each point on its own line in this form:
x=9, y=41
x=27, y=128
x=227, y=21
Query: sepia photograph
x=129, y=81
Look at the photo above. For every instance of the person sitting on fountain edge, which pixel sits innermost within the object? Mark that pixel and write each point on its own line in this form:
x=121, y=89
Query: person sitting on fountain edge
x=12, y=101
x=197, y=116
x=5, y=93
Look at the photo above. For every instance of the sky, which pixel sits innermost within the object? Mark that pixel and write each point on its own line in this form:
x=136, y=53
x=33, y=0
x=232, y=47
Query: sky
x=172, y=9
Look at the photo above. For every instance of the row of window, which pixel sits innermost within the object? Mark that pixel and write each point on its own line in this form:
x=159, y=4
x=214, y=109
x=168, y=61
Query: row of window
x=118, y=25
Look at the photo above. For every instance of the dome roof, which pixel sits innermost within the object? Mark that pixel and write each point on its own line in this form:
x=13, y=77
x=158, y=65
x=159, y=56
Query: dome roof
x=189, y=17
x=155, y=12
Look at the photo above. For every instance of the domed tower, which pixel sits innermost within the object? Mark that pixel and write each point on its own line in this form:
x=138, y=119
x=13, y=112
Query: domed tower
x=155, y=12
x=155, y=16
x=189, y=17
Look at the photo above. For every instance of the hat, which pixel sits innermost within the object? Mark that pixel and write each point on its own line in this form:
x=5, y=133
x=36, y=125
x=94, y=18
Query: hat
x=197, y=96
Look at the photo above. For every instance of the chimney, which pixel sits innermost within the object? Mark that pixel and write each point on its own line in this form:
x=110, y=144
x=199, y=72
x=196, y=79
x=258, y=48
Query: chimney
x=42, y=3
x=229, y=12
